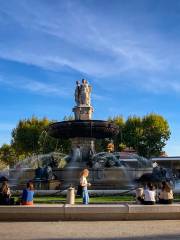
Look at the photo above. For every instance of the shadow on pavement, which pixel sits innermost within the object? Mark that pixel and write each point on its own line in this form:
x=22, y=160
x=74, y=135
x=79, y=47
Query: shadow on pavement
x=152, y=237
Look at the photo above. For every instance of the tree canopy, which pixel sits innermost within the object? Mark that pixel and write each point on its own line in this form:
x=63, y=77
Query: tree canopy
x=147, y=135
x=26, y=135
x=8, y=154
x=156, y=132
x=30, y=136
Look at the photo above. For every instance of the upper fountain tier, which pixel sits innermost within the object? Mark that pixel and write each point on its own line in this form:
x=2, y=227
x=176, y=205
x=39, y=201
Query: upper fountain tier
x=83, y=126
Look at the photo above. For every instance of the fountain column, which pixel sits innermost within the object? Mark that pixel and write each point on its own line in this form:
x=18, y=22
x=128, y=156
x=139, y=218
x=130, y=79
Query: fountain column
x=83, y=111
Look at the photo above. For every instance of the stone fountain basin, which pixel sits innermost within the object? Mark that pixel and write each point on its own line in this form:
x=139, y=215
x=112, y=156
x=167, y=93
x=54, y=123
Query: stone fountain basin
x=83, y=128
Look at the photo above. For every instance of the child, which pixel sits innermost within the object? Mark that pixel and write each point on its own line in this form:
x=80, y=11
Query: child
x=84, y=184
x=28, y=194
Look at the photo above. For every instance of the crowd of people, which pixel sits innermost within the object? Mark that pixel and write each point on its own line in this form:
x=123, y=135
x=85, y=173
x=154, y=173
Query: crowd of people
x=151, y=195
x=148, y=195
x=7, y=199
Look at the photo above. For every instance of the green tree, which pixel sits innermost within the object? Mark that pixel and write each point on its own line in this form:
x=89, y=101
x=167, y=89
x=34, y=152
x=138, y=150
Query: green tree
x=147, y=135
x=30, y=136
x=48, y=144
x=119, y=121
x=8, y=154
x=26, y=135
x=133, y=132
x=156, y=132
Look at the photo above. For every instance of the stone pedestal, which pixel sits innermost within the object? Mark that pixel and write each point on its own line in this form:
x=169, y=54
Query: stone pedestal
x=83, y=112
x=85, y=147
x=70, y=198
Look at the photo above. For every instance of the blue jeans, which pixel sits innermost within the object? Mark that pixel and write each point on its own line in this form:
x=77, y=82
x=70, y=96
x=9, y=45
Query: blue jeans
x=85, y=196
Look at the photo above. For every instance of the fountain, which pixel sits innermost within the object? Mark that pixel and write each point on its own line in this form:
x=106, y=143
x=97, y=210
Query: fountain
x=107, y=170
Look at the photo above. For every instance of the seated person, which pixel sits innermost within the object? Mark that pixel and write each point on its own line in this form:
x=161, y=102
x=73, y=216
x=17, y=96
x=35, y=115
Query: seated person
x=149, y=196
x=28, y=194
x=166, y=194
x=139, y=194
x=5, y=194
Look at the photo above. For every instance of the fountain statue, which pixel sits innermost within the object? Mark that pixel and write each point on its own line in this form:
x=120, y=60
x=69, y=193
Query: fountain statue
x=82, y=93
x=83, y=131
x=83, y=109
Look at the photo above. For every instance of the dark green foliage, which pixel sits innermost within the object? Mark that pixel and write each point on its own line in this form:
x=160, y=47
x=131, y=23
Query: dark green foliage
x=156, y=132
x=47, y=144
x=132, y=132
x=30, y=136
x=8, y=155
x=147, y=135
x=26, y=135
x=119, y=121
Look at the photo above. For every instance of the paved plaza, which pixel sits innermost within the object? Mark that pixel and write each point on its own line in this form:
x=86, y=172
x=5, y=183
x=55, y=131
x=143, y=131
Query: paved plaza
x=135, y=230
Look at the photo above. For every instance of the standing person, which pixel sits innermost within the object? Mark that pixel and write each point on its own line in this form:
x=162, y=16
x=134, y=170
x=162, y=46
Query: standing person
x=166, y=194
x=84, y=184
x=28, y=194
x=5, y=194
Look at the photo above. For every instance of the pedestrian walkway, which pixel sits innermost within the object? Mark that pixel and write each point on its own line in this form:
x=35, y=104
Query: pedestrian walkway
x=118, y=230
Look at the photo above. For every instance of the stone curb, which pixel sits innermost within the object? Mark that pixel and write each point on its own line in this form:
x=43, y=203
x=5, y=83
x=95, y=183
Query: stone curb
x=95, y=212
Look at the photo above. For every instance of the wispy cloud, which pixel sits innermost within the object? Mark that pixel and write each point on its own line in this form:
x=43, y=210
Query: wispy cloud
x=55, y=36
x=161, y=86
x=63, y=37
x=35, y=86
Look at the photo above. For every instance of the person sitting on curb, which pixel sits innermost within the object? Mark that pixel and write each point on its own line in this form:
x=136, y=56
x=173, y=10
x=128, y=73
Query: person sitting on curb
x=166, y=194
x=28, y=194
x=5, y=194
x=139, y=194
x=149, y=195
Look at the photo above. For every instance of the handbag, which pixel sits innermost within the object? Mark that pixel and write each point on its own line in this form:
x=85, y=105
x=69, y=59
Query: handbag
x=79, y=190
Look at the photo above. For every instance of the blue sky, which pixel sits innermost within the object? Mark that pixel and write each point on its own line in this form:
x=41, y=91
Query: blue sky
x=129, y=51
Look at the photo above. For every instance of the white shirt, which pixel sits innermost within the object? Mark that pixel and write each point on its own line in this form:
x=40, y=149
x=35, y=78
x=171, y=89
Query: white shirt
x=83, y=181
x=149, y=195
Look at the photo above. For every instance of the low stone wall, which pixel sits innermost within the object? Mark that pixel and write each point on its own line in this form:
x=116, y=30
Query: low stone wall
x=94, y=212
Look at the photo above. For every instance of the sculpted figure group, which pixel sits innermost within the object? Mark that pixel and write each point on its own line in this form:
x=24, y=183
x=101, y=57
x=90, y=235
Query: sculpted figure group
x=82, y=93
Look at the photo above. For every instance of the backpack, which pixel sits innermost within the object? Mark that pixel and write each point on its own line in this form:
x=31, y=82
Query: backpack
x=79, y=190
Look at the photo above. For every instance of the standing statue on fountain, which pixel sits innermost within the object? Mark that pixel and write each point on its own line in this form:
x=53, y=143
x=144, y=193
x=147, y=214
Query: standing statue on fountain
x=82, y=93
x=85, y=93
x=77, y=93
